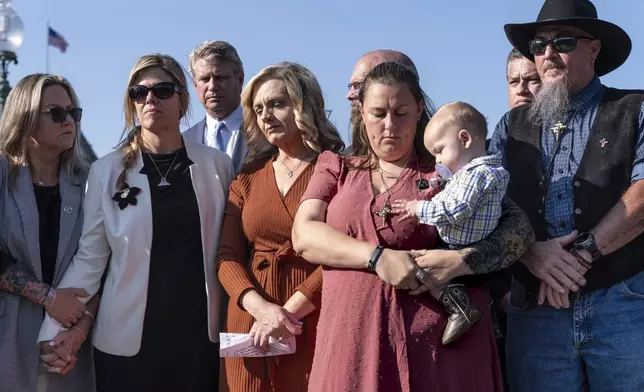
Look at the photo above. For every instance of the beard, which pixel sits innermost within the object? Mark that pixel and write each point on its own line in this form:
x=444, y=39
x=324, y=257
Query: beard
x=551, y=103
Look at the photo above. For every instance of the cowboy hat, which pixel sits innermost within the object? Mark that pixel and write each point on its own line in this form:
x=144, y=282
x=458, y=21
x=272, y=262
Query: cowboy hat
x=582, y=14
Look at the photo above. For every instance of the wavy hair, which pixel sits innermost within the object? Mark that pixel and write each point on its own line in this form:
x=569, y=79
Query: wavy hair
x=392, y=73
x=130, y=144
x=308, y=105
x=20, y=120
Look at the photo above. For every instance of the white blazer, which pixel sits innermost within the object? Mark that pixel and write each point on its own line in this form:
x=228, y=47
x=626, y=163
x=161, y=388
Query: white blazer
x=124, y=238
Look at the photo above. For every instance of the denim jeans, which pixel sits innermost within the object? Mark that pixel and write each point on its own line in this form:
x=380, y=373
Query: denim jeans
x=595, y=345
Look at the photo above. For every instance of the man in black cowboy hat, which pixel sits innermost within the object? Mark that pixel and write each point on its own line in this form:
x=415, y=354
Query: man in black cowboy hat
x=576, y=159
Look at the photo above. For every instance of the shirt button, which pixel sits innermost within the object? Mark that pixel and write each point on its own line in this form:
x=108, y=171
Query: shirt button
x=564, y=148
x=577, y=211
x=562, y=225
x=560, y=171
x=541, y=184
x=559, y=196
x=540, y=212
x=577, y=184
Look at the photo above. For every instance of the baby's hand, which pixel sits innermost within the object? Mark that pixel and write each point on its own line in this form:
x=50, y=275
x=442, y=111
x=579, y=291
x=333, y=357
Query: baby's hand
x=406, y=208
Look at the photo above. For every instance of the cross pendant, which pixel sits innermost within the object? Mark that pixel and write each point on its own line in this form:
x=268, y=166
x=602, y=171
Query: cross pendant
x=384, y=212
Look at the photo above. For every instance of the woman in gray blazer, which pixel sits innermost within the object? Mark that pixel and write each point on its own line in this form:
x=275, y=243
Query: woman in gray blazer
x=41, y=192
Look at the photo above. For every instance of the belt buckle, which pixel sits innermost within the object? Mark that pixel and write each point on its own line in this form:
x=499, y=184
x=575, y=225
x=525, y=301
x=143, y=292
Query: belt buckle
x=574, y=295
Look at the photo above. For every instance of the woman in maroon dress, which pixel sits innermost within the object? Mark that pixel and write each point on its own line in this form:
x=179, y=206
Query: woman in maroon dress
x=376, y=332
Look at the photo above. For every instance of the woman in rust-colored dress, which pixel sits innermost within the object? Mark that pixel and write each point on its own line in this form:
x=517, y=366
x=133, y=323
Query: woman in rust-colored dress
x=375, y=332
x=273, y=292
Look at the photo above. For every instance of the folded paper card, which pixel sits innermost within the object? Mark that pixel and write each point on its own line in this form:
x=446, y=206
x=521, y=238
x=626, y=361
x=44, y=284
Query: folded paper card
x=240, y=345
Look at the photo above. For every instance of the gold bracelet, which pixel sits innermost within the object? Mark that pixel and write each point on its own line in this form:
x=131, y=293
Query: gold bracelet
x=81, y=332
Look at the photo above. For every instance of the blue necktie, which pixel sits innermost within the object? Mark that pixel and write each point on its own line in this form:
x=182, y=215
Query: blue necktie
x=220, y=138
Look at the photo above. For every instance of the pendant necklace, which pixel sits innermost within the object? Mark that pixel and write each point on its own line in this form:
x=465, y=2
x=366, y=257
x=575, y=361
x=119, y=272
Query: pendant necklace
x=164, y=182
x=290, y=172
x=385, y=211
x=391, y=175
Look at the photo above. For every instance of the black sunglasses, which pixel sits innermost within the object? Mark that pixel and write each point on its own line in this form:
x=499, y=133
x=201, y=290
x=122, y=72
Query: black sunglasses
x=560, y=44
x=163, y=90
x=58, y=114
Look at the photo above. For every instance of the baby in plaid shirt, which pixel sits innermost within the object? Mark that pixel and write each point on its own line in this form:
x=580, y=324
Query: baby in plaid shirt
x=469, y=207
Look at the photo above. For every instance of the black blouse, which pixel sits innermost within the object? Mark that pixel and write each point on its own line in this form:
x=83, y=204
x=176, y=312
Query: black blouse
x=48, y=202
x=177, y=291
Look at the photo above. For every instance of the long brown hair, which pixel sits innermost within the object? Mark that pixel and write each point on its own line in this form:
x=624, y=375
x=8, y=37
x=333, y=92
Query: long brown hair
x=130, y=144
x=392, y=73
x=308, y=106
x=20, y=120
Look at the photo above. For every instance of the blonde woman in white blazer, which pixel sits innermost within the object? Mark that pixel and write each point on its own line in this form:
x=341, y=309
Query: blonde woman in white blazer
x=153, y=210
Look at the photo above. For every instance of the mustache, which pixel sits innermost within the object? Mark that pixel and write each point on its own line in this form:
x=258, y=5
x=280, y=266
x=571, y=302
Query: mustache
x=550, y=64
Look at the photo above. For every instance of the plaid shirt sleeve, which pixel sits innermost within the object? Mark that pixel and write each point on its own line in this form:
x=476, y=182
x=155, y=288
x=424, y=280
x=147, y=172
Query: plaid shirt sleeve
x=457, y=201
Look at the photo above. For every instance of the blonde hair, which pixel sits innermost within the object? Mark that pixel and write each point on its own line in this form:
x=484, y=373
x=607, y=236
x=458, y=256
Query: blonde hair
x=462, y=115
x=216, y=51
x=131, y=142
x=308, y=105
x=20, y=120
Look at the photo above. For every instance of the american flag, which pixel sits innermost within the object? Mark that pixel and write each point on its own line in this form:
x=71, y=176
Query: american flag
x=57, y=40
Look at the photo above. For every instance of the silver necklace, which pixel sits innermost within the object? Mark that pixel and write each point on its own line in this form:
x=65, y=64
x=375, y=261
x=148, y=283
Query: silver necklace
x=290, y=172
x=163, y=181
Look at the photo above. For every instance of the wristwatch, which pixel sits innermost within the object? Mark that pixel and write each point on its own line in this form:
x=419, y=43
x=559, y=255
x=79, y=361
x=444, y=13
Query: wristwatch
x=586, y=241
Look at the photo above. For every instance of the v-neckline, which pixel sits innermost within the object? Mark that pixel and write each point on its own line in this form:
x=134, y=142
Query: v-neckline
x=297, y=179
x=396, y=184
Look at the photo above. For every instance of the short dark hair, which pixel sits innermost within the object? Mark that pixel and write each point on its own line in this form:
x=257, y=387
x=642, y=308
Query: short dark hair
x=513, y=56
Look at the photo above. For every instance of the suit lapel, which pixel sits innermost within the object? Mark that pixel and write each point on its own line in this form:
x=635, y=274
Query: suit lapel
x=70, y=205
x=201, y=132
x=240, y=150
x=26, y=200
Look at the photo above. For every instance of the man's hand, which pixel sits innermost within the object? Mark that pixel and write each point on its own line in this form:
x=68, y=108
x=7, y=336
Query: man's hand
x=554, y=265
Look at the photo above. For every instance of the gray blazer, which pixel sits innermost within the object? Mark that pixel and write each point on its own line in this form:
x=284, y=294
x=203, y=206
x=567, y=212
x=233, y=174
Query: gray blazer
x=197, y=133
x=20, y=320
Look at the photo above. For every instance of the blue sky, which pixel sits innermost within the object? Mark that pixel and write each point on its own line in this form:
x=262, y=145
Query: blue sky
x=459, y=47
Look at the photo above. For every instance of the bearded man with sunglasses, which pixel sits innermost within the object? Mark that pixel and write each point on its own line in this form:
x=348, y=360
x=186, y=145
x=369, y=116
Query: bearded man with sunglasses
x=576, y=159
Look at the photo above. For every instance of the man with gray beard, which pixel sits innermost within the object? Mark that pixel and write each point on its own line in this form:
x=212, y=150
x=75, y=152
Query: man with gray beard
x=576, y=161
x=364, y=65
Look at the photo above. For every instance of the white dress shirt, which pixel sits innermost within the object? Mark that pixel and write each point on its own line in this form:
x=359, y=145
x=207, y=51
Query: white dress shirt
x=230, y=136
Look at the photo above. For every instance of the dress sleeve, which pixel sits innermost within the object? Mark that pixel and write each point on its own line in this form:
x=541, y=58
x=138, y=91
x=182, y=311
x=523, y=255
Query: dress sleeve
x=312, y=287
x=233, y=246
x=324, y=182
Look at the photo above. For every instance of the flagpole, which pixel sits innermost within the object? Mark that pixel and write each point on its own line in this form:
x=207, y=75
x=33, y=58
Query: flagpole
x=47, y=57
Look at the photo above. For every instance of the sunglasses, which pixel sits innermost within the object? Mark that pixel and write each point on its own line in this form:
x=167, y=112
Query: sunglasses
x=560, y=44
x=355, y=86
x=163, y=90
x=59, y=115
